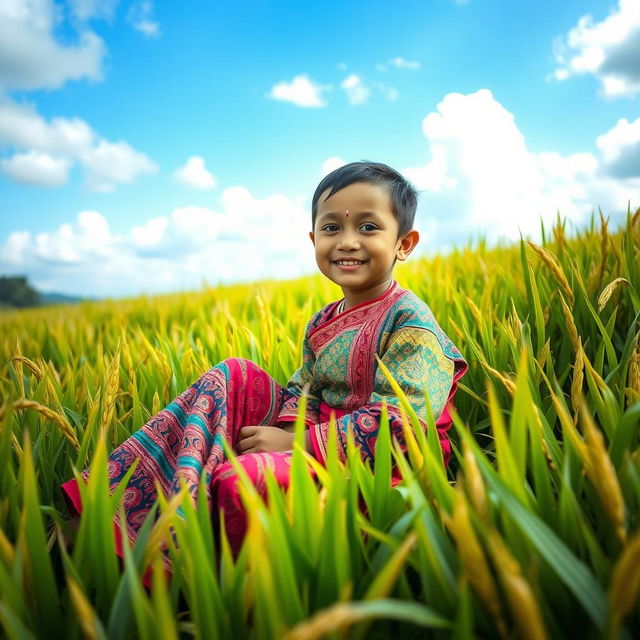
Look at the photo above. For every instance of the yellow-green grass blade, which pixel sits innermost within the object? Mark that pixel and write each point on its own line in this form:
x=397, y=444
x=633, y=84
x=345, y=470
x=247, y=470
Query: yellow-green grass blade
x=378, y=507
x=569, y=569
x=13, y=626
x=338, y=618
x=277, y=541
x=520, y=412
x=33, y=545
x=507, y=465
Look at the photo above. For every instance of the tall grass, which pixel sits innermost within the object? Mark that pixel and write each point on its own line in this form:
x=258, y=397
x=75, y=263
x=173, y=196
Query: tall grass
x=532, y=532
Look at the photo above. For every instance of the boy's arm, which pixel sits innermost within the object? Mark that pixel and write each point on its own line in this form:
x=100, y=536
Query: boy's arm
x=295, y=385
x=416, y=360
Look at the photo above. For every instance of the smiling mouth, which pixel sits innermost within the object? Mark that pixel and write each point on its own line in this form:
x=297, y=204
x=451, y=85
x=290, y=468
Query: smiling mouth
x=348, y=263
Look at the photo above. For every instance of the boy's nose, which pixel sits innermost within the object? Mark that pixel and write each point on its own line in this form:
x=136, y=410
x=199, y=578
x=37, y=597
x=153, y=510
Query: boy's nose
x=348, y=241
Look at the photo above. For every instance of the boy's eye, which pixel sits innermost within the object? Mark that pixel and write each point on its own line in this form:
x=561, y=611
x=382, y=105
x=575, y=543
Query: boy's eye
x=330, y=227
x=368, y=226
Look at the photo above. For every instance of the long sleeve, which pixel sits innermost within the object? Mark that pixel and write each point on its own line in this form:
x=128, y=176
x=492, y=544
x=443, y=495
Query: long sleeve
x=295, y=385
x=415, y=358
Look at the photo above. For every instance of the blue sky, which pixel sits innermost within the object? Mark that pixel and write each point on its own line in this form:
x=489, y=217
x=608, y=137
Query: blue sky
x=147, y=147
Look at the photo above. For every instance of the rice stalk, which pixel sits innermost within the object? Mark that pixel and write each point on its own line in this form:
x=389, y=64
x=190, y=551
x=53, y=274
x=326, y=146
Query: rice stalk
x=475, y=312
x=7, y=550
x=506, y=381
x=523, y=603
x=577, y=381
x=571, y=325
x=569, y=430
x=472, y=558
x=111, y=388
x=30, y=364
x=602, y=473
x=162, y=526
x=89, y=623
x=558, y=273
x=624, y=589
x=604, y=243
x=633, y=388
x=618, y=256
x=473, y=483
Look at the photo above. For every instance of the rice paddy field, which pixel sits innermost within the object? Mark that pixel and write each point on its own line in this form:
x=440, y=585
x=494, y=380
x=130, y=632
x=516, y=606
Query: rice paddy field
x=533, y=531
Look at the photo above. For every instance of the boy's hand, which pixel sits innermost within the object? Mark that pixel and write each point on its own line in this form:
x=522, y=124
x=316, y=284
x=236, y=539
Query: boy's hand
x=262, y=438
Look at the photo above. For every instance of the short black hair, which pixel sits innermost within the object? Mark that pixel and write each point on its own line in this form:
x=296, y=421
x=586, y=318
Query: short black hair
x=403, y=195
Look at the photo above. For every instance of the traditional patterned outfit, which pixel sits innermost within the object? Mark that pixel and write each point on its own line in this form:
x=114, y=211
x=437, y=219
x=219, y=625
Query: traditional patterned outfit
x=185, y=438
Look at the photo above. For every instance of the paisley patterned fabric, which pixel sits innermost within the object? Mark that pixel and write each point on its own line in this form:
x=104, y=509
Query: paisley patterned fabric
x=184, y=440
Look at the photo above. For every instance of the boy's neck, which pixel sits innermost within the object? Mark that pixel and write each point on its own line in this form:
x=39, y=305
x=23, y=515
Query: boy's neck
x=354, y=298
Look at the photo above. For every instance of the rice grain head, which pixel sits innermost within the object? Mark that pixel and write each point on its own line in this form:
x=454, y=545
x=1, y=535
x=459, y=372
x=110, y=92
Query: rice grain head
x=571, y=325
x=30, y=364
x=599, y=380
x=625, y=581
x=602, y=473
x=577, y=381
x=324, y=622
x=111, y=390
x=556, y=269
x=514, y=319
x=543, y=442
x=474, y=483
x=545, y=354
x=608, y=291
x=474, y=563
x=558, y=234
x=475, y=312
x=84, y=611
x=49, y=414
x=506, y=381
x=522, y=601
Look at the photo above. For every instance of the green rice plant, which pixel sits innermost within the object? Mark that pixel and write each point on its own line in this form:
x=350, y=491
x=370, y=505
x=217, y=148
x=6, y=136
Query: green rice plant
x=532, y=530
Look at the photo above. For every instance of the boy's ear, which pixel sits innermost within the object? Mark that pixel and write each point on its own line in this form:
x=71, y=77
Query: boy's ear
x=313, y=237
x=407, y=244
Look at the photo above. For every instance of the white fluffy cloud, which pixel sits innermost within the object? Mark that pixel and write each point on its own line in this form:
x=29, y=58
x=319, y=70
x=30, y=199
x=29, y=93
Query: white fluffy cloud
x=357, y=92
x=88, y=9
x=110, y=164
x=331, y=164
x=36, y=168
x=30, y=55
x=621, y=149
x=65, y=141
x=609, y=49
x=482, y=179
x=399, y=63
x=403, y=63
x=246, y=239
x=301, y=91
x=140, y=16
x=194, y=174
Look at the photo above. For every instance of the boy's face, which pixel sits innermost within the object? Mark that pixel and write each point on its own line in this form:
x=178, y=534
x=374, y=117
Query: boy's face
x=356, y=240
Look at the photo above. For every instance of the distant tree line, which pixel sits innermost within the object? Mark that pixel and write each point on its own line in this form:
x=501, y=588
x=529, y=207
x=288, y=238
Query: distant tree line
x=15, y=291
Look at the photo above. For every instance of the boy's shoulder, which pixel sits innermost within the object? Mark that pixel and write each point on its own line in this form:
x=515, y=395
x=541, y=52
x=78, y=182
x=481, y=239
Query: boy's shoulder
x=412, y=311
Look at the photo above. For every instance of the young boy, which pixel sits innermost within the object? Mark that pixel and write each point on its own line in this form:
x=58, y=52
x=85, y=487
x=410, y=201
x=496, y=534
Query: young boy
x=362, y=218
